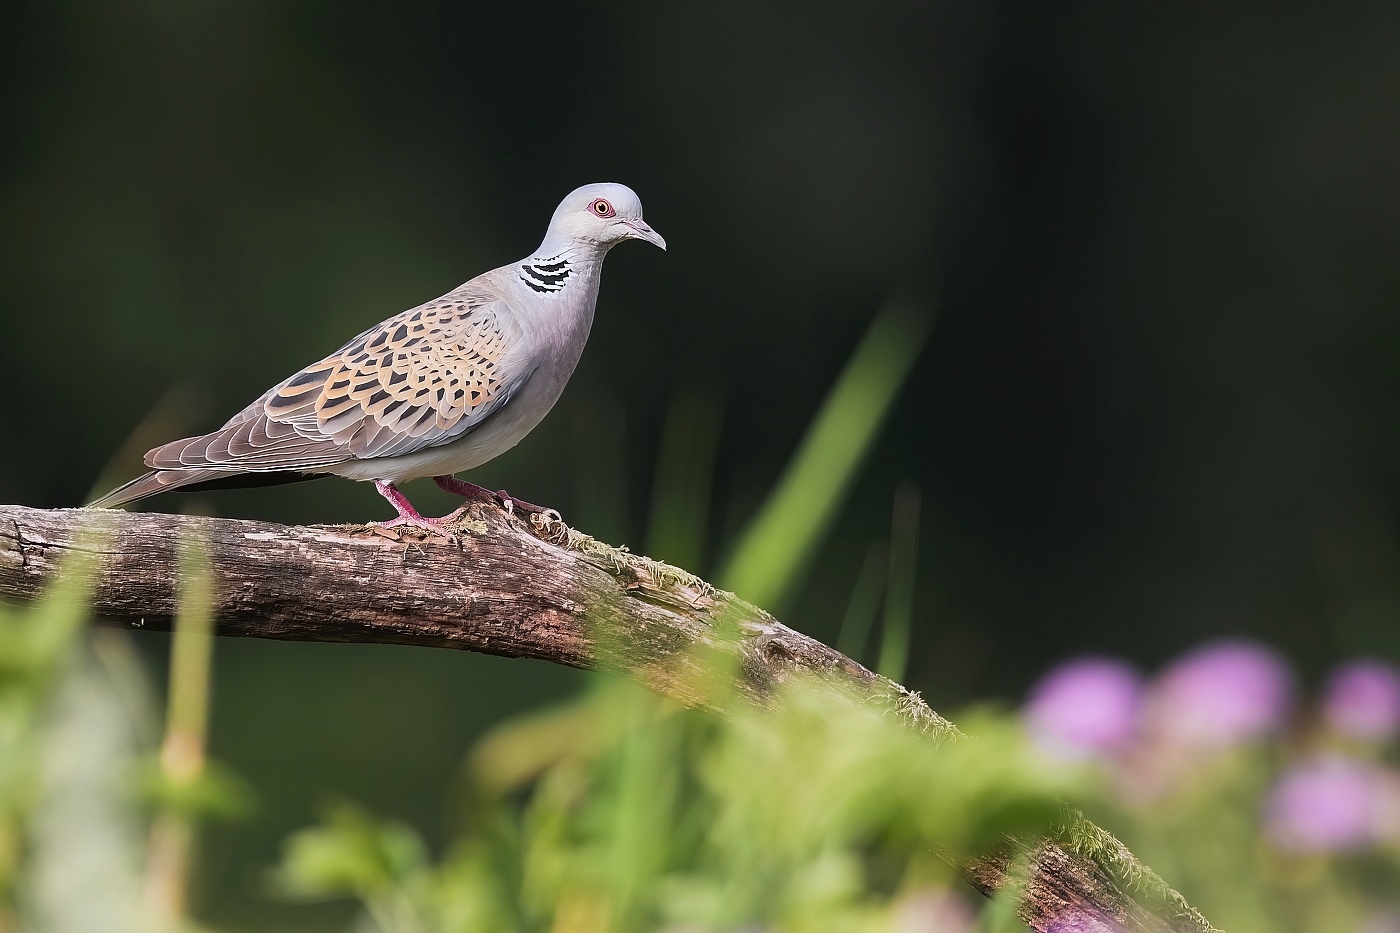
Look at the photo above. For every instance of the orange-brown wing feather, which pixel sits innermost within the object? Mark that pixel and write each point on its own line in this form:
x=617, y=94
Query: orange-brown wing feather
x=418, y=380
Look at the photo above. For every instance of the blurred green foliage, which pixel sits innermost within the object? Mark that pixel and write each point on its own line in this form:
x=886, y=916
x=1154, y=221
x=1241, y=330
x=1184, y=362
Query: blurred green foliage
x=35, y=646
x=813, y=815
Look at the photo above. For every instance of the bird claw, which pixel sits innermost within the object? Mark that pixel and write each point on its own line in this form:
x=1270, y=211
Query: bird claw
x=510, y=503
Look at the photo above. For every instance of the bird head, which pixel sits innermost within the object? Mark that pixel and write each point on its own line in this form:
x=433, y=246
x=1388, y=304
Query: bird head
x=601, y=216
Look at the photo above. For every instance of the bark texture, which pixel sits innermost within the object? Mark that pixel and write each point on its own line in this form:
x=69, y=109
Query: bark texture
x=525, y=585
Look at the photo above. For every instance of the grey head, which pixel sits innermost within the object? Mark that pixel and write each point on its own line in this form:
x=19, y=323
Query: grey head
x=599, y=216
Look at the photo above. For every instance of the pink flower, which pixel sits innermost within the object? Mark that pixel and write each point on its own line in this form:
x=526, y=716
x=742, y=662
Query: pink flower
x=1362, y=700
x=1085, y=707
x=1332, y=804
x=1221, y=694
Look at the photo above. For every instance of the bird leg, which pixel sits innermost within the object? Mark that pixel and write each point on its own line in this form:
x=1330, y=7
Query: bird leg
x=460, y=487
x=408, y=515
x=468, y=490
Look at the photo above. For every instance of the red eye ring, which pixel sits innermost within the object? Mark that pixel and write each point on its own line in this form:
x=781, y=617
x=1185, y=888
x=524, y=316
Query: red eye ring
x=602, y=208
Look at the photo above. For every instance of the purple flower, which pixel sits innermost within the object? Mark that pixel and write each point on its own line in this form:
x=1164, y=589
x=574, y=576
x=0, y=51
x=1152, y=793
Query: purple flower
x=1362, y=700
x=1085, y=706
x=1221, y=694
x=1332, y=804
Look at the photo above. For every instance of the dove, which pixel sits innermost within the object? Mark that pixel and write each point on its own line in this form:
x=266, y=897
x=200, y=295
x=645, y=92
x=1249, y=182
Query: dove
x=433, y=391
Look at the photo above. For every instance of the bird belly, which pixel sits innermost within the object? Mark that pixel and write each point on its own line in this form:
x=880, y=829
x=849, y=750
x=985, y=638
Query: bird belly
x=493, y=437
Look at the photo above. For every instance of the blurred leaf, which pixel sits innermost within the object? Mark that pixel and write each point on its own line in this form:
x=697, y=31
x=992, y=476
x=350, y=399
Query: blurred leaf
x=36, y=642
x=519, y=750
x=214, y=792
x=349, y=853
x=85, y=839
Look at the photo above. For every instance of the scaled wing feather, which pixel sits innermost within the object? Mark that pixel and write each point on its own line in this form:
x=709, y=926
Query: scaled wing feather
x=421, y=379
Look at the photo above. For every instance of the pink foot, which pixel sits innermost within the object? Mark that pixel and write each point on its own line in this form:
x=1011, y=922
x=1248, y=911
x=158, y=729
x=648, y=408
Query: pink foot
x=408, y=515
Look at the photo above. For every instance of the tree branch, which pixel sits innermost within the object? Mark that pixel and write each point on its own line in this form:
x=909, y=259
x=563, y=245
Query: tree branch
x=527, y=587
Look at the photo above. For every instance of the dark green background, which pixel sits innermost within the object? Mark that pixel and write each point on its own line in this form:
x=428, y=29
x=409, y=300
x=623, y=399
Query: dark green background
x=1159, y=403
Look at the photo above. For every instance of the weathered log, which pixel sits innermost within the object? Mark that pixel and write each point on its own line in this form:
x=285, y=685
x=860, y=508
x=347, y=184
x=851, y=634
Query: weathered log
x=525, y=585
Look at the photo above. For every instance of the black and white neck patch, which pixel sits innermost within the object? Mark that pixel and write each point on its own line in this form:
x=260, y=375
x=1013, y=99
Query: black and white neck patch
x=546, y=275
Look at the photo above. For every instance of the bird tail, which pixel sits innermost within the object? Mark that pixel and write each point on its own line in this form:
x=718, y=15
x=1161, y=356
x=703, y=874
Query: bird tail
x=195, y=480
x=152, y=483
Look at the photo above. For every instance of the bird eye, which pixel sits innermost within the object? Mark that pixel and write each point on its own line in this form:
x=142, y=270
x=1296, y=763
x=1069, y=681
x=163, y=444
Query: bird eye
x=602, y=208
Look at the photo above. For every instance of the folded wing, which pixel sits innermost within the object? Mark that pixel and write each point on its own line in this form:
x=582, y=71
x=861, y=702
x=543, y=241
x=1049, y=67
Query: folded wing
x=418, y=380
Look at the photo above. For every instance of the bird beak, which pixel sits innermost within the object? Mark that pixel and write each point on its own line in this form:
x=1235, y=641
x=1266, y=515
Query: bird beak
x=640, y=231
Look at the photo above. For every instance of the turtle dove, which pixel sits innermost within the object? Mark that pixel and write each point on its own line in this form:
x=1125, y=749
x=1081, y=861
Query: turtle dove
x=433, y=391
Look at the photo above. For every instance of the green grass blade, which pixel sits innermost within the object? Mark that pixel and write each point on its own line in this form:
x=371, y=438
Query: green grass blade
x=899, y=590
x=765, y=565
x=864, y=603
